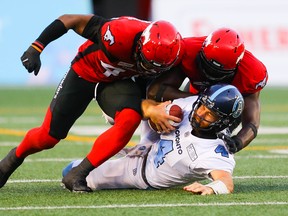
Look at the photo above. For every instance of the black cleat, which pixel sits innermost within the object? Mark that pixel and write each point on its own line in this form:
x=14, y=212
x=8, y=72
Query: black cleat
x=8, y=165
x=75, y=183
x=75, y=179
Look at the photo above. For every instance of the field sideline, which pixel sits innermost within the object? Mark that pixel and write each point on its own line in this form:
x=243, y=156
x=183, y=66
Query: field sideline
x=260, y=176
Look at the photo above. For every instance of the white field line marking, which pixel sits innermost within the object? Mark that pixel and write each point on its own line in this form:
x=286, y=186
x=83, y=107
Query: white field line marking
x=142, y=206
x=262, y=156
x=34, y=181
x=259, y=177
x=59, y=180
x=44, y=160
x=28, y=160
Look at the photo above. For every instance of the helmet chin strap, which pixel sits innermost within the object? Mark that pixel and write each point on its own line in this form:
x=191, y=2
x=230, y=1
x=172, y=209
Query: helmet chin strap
x=204, y=134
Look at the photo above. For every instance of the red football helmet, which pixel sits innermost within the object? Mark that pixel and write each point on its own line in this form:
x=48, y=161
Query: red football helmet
x=158, y=48
x=221, y=53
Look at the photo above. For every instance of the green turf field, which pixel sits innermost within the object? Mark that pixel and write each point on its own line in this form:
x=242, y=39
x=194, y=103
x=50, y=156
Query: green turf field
x=260, y=176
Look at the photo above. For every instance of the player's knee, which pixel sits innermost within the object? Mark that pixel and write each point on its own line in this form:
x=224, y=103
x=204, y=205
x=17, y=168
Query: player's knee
x=128, y=118
x=41, y=139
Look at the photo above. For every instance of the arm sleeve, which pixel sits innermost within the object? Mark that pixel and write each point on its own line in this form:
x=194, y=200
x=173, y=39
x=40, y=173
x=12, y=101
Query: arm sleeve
x=55, y=30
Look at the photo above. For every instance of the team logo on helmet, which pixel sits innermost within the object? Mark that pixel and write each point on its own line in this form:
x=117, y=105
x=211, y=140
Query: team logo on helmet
x=146, y=34
x=237, y=107
x=240, y=57
x=207, y=40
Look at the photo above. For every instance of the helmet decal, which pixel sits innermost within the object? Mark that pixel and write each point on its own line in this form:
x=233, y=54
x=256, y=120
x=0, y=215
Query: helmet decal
x=219, y=91
x=240, y=57
x=237, y=107
x=146, y=34
x=207, y=40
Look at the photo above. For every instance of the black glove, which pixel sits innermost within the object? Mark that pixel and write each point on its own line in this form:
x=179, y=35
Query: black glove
x=31, y=60
x=234, y=144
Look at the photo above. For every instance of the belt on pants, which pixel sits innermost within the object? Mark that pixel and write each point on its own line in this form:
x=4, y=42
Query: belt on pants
x=143, y=171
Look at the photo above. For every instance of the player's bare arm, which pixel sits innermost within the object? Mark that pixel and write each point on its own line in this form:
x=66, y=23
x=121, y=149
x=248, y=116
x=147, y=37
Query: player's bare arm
x=75, y=21
x=250, y=125
x=222, y=184
x=166, y=86
x=250, y=119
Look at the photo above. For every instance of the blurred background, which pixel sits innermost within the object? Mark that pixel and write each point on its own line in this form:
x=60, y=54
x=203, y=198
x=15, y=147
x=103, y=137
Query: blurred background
x=263, y=24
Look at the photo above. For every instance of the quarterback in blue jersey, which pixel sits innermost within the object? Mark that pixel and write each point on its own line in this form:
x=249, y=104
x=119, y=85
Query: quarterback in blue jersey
x=195, y=151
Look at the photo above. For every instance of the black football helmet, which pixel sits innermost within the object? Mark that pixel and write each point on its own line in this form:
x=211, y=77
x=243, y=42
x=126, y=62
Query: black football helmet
x=225, y=101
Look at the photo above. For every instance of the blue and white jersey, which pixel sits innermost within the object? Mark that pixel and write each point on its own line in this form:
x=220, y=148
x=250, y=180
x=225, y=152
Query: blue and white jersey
x=181, y=158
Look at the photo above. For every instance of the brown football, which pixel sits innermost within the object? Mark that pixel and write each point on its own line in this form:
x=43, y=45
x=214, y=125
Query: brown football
x=173, y=110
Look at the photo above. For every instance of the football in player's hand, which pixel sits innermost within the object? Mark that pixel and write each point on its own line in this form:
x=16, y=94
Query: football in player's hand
x=173, y=110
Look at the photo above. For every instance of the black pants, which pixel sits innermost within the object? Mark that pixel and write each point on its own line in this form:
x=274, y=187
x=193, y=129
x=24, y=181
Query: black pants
x=74, y=94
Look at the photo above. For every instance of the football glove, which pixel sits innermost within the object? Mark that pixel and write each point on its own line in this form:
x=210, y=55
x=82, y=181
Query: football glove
x=234, y=144
x=31, y=60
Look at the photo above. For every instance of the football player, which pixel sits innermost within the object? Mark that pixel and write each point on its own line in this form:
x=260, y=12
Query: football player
x=190, y=153
x=219, y=57
x=116, y=49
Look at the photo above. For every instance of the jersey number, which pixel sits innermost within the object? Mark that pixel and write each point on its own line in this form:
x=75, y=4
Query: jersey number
x=164, y=147
x=221, y=149
x=111, y=70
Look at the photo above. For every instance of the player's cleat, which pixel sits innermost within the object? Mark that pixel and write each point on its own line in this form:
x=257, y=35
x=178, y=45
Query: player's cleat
x=8, y=165
x=74, y=179
x=72, y=164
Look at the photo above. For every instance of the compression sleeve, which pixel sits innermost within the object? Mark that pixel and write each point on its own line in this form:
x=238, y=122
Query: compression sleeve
x=55, y=30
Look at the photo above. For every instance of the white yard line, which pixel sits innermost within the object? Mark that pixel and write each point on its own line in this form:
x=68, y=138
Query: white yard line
x=59, y=180
x=143, y=205
x=28, y=160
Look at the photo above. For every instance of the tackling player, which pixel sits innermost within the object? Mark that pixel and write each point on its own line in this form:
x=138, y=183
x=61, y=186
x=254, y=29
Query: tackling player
x=190, y=153
x=219, y=57
x=116, y=49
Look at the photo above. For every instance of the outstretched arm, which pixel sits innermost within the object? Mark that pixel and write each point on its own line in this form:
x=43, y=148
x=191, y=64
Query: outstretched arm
x=31, y=57
x=222, y=184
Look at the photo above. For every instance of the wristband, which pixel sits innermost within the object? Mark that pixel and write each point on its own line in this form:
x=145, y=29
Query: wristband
x=218, y=187
x=254, y=129
x=238, y=142
x=38, y=46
